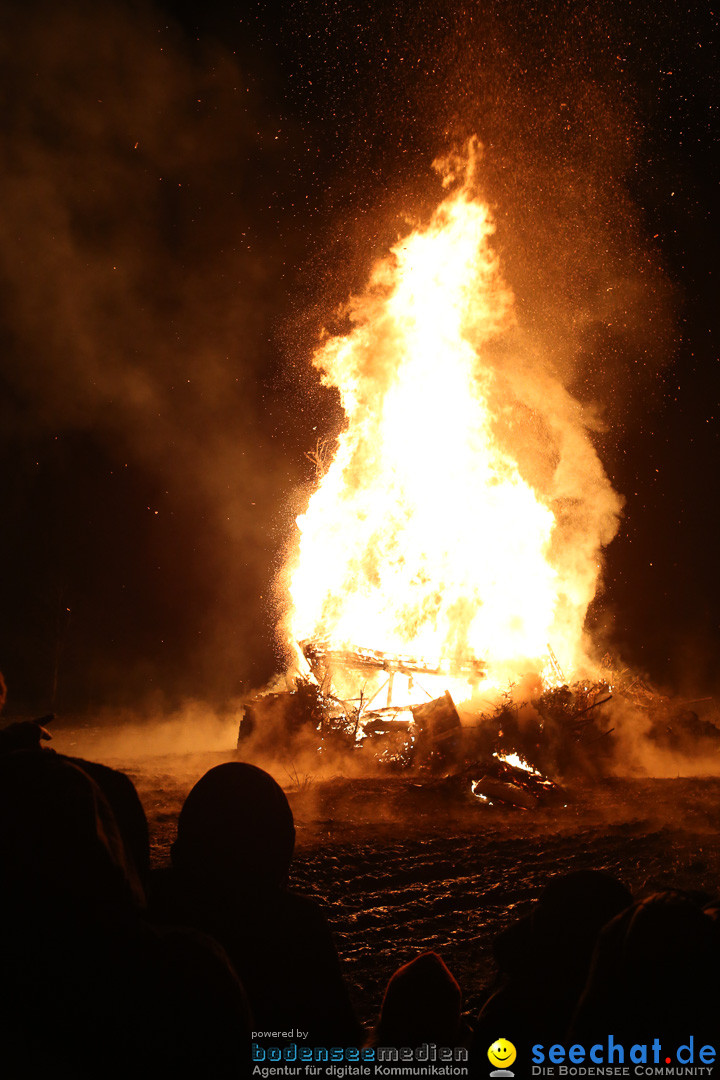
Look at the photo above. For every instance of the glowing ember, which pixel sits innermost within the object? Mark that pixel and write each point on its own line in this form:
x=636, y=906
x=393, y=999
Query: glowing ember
x=425, y=538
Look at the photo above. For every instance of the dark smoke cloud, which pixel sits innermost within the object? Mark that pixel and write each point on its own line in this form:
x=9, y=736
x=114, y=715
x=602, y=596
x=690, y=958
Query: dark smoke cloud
x=139, y=275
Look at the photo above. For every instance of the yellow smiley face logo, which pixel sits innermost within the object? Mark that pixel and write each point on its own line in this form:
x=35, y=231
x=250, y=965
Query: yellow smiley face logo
x=502, y=1054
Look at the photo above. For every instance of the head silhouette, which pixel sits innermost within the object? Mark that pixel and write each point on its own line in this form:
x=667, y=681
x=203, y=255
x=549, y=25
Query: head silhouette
x=422, y=1003
x=59, y=841
x=654, y=969
x=560, y=932
x=236, y=825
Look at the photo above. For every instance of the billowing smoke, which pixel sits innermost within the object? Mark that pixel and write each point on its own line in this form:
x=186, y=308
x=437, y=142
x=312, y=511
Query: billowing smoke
x=140, y=272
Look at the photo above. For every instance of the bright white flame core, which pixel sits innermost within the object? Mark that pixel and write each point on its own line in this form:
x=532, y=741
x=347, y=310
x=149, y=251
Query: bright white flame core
x=423, y=538
x=518, y=762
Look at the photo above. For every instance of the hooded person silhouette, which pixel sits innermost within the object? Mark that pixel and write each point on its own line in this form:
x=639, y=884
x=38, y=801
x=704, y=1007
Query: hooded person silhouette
x=655, y=972
x=543, y=958
x=84, y=983
x=422, y=1003
x=230, y=868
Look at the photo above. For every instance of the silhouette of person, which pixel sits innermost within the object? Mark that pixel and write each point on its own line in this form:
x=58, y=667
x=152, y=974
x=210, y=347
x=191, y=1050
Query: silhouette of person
x=544, y=958
x=654, y=973
x=85, y=984
x=422, y=1003
x=230, y=866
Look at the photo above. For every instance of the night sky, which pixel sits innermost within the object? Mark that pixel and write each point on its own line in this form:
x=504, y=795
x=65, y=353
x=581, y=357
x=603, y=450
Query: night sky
x=189, y=191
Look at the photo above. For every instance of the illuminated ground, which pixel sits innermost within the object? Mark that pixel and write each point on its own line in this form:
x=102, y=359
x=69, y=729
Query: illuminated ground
x=400, y=867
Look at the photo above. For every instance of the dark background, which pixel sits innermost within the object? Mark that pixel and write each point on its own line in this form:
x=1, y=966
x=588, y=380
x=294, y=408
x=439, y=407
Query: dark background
x=188, y=192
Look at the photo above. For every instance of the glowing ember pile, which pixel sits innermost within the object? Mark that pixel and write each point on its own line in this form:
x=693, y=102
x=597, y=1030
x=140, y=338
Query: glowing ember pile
x=426, y=539
x=517, y=762
x=514, y=783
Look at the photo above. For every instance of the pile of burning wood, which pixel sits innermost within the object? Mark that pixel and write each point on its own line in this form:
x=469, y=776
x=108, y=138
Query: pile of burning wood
x=506, y=753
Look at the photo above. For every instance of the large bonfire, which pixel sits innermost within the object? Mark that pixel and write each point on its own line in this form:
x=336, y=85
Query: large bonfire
x=459, y=526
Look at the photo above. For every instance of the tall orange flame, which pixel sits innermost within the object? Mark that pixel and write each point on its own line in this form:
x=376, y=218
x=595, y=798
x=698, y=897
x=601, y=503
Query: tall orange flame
x=424, y=537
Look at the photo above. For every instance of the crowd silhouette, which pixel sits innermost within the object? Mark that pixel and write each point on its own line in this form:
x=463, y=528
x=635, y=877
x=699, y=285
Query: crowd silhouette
x=111, y=967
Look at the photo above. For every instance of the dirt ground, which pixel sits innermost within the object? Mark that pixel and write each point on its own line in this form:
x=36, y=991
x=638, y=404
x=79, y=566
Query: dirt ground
x=401, y=866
